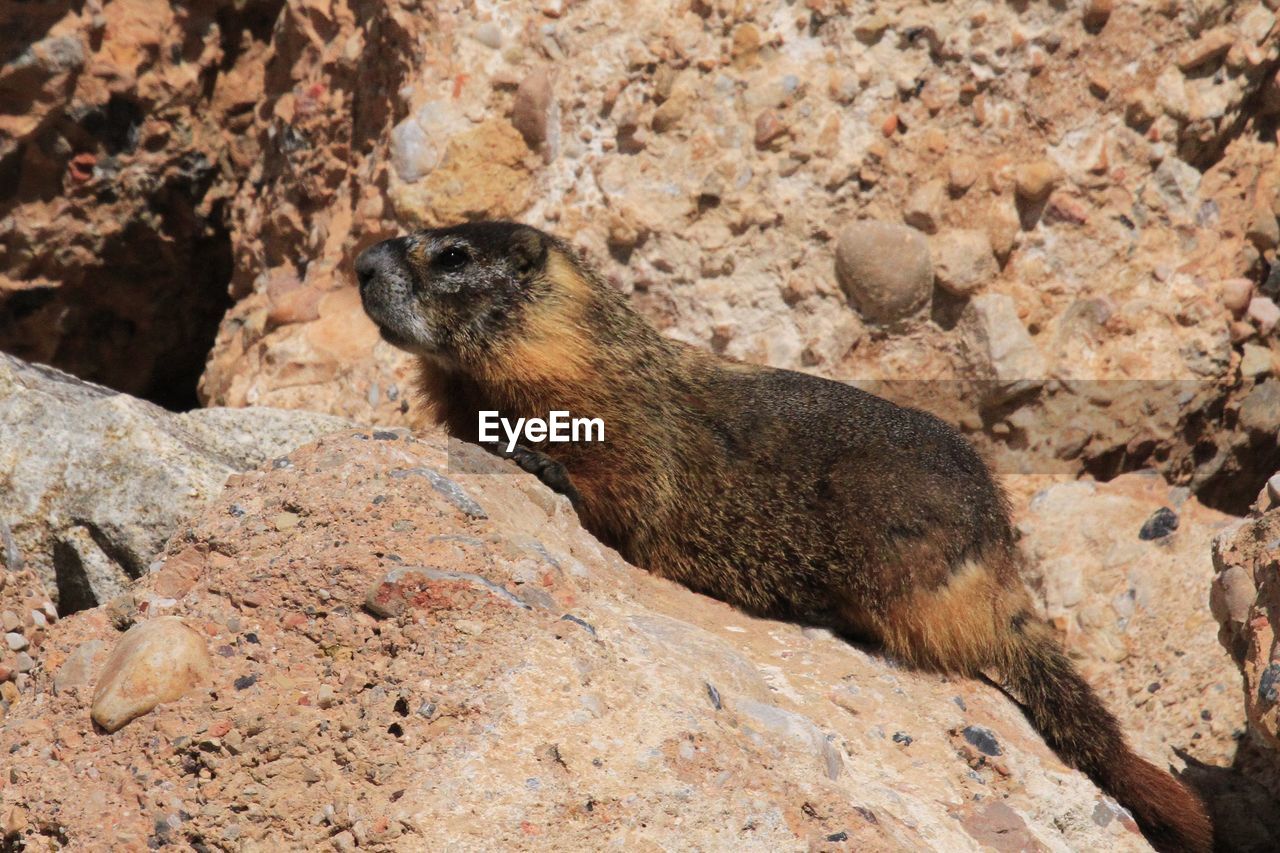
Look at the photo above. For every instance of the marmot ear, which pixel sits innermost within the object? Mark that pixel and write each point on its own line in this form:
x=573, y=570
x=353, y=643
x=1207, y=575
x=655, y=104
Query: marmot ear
x=528, y=251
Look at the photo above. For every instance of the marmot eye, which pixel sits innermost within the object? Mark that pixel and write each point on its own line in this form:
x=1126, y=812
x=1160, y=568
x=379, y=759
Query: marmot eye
x=452, y=258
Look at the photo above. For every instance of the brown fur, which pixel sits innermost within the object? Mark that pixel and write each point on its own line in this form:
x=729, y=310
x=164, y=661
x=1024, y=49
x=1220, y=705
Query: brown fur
x=779, y=492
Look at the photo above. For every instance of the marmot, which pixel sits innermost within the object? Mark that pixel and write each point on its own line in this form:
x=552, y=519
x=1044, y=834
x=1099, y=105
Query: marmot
x=784, y=494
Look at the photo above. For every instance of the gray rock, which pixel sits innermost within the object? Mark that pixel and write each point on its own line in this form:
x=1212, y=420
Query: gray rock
x=885, y=269
x=999, y=348
x=1178, y=185
x=963, y=260
x=93, y=482
x=1260, y=411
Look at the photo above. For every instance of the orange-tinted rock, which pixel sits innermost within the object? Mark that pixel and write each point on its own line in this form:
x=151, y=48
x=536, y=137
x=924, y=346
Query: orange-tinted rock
x=156, y=661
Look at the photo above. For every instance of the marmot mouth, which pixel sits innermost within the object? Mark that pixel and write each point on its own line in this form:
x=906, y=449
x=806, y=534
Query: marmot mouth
x=396, y=339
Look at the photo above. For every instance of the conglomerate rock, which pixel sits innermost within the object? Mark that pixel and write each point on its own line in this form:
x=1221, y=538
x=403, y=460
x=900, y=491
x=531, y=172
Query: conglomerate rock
x=92, y=482
x=1246, y=602
x=1120, y=160
x=416, y=646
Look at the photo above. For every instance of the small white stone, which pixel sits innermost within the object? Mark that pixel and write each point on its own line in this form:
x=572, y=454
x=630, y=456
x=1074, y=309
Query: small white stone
x=15, y=641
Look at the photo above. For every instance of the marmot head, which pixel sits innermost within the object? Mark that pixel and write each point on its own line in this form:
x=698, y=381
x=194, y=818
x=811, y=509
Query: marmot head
x=465, y=296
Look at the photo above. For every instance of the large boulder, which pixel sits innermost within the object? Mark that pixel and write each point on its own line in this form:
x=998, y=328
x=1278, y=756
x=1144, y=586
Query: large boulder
x=92, y=482
x=417, y=645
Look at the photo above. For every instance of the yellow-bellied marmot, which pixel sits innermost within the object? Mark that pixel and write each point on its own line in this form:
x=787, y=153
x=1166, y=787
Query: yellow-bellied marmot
x=782, y=493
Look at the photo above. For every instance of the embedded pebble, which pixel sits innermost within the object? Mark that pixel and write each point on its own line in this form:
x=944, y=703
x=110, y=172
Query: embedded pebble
x=1236, y=293
x=77, y=668
x=924, y=207
x=155, y=661
x=1161, y=523
x=532, y=107
x=1264, y=314
x=963, y=261
x=884, y=268
x=982, y=739
x=1034, y=181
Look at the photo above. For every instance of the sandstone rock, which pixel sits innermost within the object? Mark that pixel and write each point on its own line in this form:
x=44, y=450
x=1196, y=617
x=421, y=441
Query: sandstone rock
x=962, y=173
x=1256, y=361
x=1097, y=13
x=93, y=482
x=924, y=207
x=999, y=348
x=531, y=111
x=1264, y=314
x=884, y=268
x=1260, y=410
x=963, y=261
x=156, y=661
x=483, y=172
x=1245, y=603
x=77, y=669
x=404, y=722
x=1264, y=230
x=1034, y=181
x=1236, y=294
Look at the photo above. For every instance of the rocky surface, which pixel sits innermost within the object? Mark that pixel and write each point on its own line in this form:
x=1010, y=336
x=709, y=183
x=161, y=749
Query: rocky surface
x=92, y=482
x=1246, y=603
x=1122, y=570
x=413, y=645
x=1118, y=159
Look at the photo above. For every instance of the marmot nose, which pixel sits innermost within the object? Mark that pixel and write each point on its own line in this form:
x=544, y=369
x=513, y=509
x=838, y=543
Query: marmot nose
x=375, y=261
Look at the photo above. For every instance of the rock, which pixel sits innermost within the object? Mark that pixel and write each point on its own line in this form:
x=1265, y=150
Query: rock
x=769, y=126
x=1264, y=230
x=95, y=481
x=16, y=642
x=1097, y=13
x=1210, y=47
x=1246, y=605
x=924, y=208
x=884, y=269
x=962, y=261
x=1162, y=523
x=419, y=714
x=962, y=173
x=1236, y=294
x=1034, y=181
x=531, y=112
x=413, y=154
x=156, y=661
x=1256, y=361
x=77, y=669
x=1260, y=411
x=1114, y=596
x=1177, y=187
x=484, y=172
x=1264, y=314
x=999, y=349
